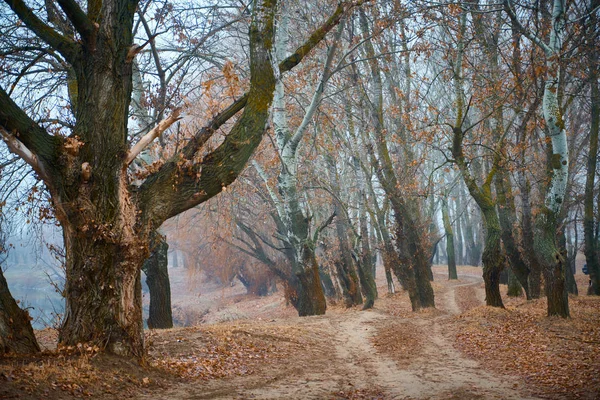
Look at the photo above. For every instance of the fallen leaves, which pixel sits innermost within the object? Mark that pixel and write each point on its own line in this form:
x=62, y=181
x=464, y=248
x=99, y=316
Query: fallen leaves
x=217, y=352
x=360, y=394
x=402, y=340
x=561, y=357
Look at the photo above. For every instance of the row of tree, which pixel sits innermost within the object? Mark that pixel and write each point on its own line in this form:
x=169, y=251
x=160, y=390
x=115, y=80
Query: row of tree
x=407, y=116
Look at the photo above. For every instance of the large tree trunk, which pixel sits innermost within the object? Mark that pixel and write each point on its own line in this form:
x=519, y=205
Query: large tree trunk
x=507, y=218
x=493, y=259
x=157, y=277
x=103, y=253
x=103, y=294
x=553, y=265
x=16, y=333
x=311, y=299
x=413, y=253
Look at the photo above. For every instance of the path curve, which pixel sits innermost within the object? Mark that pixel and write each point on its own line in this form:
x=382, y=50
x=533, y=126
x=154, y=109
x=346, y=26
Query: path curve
x=353, y=363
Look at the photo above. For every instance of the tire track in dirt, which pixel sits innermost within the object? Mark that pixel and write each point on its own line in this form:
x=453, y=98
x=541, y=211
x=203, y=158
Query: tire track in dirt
x=442, y=372
x=345, y=359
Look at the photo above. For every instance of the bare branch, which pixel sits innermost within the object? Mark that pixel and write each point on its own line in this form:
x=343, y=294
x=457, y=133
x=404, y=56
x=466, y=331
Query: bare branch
x=153, y=134
x=18, y=148
x=33, y=136
x=78, y=18
x=324, y=225
x=517, y=24
x=61, y=43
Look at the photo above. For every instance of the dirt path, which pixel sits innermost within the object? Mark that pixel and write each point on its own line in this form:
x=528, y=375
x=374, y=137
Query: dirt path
x=343, y=361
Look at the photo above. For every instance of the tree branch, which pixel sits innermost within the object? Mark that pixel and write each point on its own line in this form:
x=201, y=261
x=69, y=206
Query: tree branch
x=223, y=165
x=517, y=24
x=153, y=134
x=60, y=43
x=18, y=148
x=324, y=225
x=78, y=18
x=35, y=138
x=202, y=136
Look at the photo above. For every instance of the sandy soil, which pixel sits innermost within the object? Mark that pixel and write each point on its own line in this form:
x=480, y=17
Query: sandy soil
x=248, y=347
x=342, y=358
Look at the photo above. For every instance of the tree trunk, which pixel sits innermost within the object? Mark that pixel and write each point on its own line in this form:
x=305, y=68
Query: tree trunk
x=535, y=275
x=157, y=278
x=553, y=265
x=458, y=239
x=507, y=217
x=389, y=279
x=345, y=265
x=16, y=333
x=365, y=263
x=514, y=286
x=413, y=253
x=311, y=299
x=473, y=248
x=493, y=260
x=328, y=286
x=103, y=294
x=591, y=245
x=569, y=253
x=449, y=240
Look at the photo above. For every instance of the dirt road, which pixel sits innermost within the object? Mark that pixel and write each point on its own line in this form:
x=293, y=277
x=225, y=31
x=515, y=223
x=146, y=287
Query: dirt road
x=374, y=354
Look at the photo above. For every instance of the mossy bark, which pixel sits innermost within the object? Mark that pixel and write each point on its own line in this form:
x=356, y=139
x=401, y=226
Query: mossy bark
x=507, y=218
x=311, y=299
x=514, y=286
x=553, y=265
x=493, y=259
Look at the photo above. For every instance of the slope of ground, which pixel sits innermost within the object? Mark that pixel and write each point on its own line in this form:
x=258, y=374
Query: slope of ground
x=461, y=350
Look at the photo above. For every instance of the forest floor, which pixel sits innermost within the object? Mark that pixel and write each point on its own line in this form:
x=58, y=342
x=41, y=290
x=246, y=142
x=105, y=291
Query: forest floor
x=260, y=350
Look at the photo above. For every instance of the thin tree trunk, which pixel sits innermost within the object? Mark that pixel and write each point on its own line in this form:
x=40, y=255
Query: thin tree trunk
x=458, y=238
x=449, y=240
x=157, y=277
x=345, y=265
x=365, y=264
x=591, y=245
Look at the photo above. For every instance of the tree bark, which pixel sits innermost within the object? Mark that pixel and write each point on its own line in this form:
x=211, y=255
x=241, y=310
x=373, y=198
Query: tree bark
x=157, y=278
x=514, y=286
x=16, y=333
x=311, y=299
x=591, y=245
x=449, y=240
x=493, y=259
x=554, y=265
x=346, y=272
x=365, y=264
x=458, y=239
x=507, y=218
